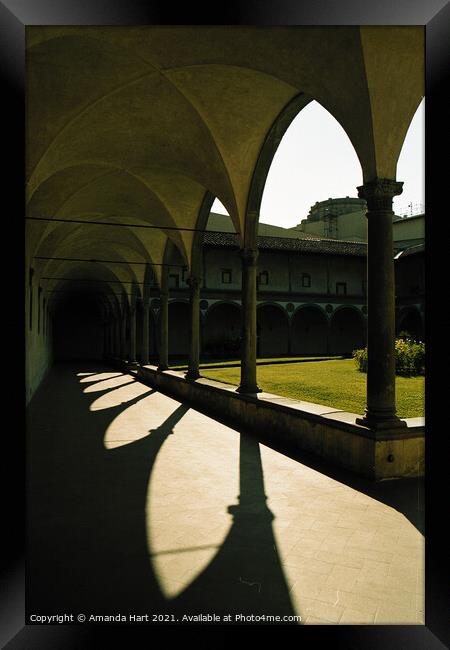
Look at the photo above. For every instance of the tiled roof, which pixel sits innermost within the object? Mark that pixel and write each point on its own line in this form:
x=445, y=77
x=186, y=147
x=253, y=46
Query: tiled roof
x=330, y=246
x=412, y=250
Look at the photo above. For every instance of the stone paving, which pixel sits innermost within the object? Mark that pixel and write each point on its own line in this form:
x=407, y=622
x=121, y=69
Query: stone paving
x=228, y=520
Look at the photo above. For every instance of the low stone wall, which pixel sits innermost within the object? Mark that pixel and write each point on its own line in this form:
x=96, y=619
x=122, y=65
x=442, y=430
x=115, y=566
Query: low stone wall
x=321, y=430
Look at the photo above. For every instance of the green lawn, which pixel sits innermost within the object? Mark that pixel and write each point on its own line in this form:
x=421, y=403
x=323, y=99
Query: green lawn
x=220, y=363
x=333, y=383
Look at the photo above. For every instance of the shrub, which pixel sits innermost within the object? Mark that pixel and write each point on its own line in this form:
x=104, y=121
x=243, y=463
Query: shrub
x=409, y=357
x=360, y=357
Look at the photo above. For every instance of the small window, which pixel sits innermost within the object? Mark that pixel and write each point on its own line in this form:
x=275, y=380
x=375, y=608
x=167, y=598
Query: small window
x=226, y=276
x=174, y=280
x=341, y=288
x=184, y=274
x=306, y=280
x=264, y=278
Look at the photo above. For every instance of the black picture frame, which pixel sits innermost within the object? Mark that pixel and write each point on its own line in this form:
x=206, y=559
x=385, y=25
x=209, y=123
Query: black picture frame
x=435, y=16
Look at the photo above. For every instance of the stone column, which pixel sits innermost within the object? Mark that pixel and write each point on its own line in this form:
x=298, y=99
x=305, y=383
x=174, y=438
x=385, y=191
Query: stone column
x=289, y=317
x=194, y=329
x=105, y=338
x=123, y=338
x=133, y=333
x=164, y=333
x=380, y=410
x=116, y=341
x=145, y=332
x=248, y=383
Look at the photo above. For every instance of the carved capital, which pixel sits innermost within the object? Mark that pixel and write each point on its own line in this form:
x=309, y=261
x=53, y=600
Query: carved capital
x=194, y=282
x=249, y=256
x=379, y=193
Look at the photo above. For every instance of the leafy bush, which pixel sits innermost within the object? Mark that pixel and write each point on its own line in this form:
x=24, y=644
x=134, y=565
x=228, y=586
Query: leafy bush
x=360, y=357
x=409, y=357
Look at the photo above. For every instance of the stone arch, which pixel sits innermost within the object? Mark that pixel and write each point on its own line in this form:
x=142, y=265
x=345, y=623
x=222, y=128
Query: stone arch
x=309, y=330
x=179, y=315
x=268, y=150
x=222, y=330
x=272, y=330
x=347, y=331
x=153, y=323
x=410, y=320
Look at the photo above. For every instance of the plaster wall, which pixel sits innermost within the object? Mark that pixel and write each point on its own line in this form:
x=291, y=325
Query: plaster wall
x=38, y=349
x=276, y=264
x=350, y=270
x=409, y=229
x=217, y=259
x=313, y=265
x=352, y=227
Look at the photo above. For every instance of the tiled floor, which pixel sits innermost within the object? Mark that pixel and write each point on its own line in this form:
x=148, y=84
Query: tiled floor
x=139, y=502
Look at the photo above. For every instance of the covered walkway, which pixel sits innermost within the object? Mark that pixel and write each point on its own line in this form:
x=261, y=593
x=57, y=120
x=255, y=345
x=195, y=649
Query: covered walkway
x=139, y=504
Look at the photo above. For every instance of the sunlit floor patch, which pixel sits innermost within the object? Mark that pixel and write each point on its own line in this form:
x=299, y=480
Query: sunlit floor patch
x=108, y=382
x=121, y=395
x=347, y=557
x=98, y=376
x=344, y=557
x=188, y=499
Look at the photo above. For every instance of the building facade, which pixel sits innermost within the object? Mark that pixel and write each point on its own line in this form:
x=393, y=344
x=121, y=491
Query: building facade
x=311, y=292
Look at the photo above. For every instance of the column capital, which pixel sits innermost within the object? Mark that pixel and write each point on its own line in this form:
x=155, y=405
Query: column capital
x=194, y=282
x=249, y=256
x=379, y=193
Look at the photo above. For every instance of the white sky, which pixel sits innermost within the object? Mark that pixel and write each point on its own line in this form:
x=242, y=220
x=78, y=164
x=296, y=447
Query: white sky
x=316, y=161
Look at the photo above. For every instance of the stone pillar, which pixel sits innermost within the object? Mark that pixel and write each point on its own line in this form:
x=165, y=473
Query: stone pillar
x=328, y=341
x=164, y=333
x=133, y=333
x=116, y=337
x=380, y=410
x=105, y=338
x=123, y=338
x=194, y=329
x=145, y=332
x=248, y=383
x=289, y=317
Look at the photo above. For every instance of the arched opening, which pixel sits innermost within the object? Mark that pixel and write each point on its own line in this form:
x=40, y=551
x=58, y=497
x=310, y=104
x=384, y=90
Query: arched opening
x=273, y=331
x=309, y=331
x=411, y=168
x=346, y=331
x=78, y=331
x=222, y=331
x=314, y=160
x=410, y=322
x=179, y=316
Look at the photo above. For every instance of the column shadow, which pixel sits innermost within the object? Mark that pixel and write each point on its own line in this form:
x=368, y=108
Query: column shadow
x=246, y=575
x=86, y=522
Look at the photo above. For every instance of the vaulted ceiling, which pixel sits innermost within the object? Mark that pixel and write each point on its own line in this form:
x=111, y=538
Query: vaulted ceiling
x=137, y=125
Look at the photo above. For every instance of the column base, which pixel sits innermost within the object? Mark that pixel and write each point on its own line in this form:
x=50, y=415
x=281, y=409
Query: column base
x=249, y=389
x=161, y=367
x=381, y=423
x=192, y=375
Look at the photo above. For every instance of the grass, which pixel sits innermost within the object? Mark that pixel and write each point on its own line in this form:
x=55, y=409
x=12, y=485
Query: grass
x=222, y=363
x=335, y=383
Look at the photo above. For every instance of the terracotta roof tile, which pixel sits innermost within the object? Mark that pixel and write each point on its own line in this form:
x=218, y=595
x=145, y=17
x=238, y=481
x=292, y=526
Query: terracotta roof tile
x=330, y=246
